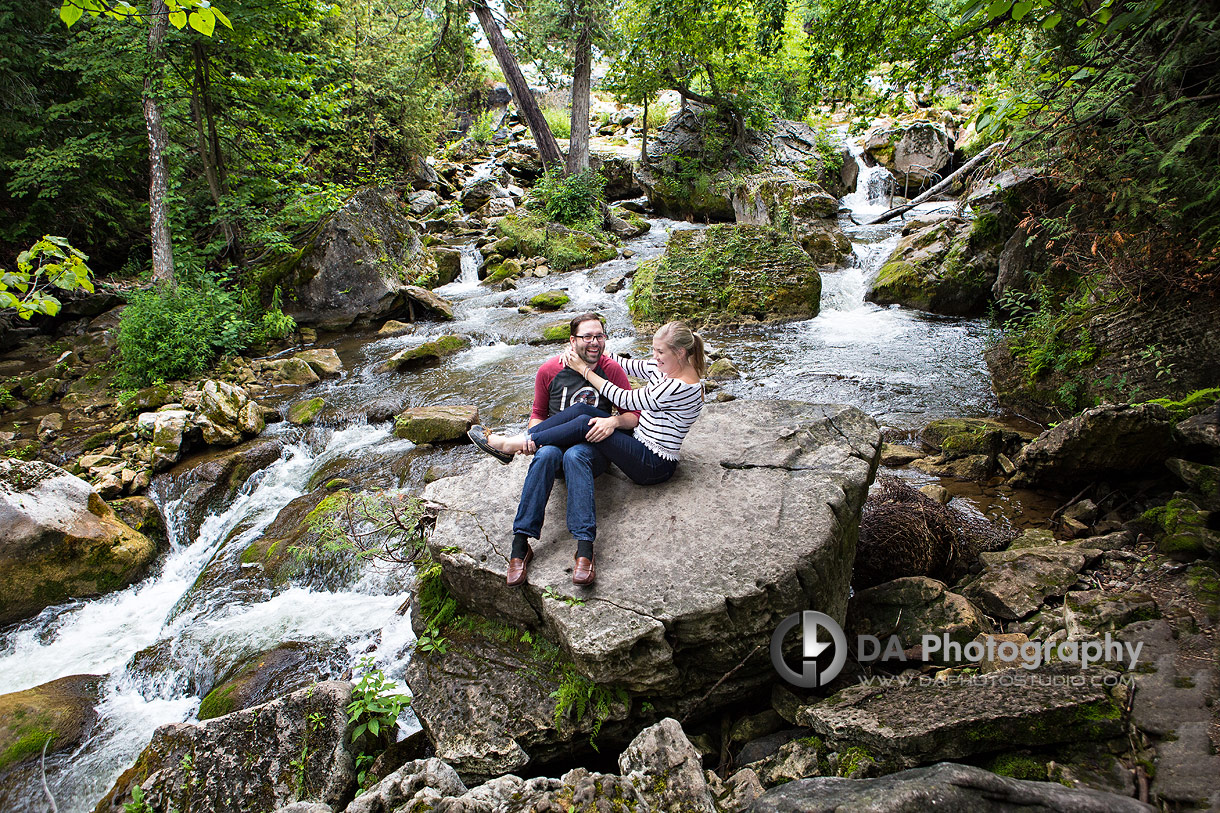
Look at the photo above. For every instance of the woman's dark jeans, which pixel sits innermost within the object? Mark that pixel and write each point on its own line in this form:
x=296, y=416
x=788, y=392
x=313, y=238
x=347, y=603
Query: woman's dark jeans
x=569, y=427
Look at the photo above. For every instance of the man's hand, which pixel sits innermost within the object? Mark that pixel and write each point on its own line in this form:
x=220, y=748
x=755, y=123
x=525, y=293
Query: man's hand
x=601, y=428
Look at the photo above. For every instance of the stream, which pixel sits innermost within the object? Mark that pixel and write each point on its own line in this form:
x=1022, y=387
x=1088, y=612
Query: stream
x=159, y=642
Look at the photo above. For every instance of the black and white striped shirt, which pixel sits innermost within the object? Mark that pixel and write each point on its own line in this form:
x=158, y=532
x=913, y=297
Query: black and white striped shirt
x=668, y=407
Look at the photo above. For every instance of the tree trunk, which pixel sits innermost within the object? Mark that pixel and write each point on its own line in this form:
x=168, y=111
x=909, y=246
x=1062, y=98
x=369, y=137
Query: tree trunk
x=209, y=148
x=158, y=140
x=578, y=146
x=548, y=149
x=644, y=136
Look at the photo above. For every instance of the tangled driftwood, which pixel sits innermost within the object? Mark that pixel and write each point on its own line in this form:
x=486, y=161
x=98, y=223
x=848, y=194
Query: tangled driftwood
x=905, y=533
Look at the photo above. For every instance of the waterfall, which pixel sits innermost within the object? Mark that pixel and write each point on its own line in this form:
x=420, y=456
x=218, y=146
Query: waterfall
x=472, y=258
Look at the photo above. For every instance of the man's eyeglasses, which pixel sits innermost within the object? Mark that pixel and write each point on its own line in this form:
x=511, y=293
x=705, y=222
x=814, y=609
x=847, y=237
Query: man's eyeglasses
x=592, y=337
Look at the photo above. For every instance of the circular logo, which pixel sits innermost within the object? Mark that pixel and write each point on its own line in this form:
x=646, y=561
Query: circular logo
x=819, y=632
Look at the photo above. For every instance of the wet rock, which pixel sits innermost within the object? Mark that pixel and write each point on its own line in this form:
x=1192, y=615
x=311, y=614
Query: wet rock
x=61, y=711
x=267, y=756
x=430, y=351
x=325, y=363
x=895, y=455
x=303, y=413
x=220, y=413
x=667, y=625
x=355, y=265
x=214, y=478
x=943, y=268
x=960, y=437
x=422, y=202
x=292, y=371
x=141, y=514
x=430, y=302
x=549, y=300
x=1015, y=583
x=666, y=769
x=266, y=676
x=946, y=787
x=497, y=207
x=395, y=328
x=436, y=424
x=1105, y=440
x=911, y=608
x=728, y=274
x=59, y=540
x=50, y=426
x=554, y=333
x=479, y=190
x=903, y=726
x=723, y=370
x=915, y=154
x=448, y=264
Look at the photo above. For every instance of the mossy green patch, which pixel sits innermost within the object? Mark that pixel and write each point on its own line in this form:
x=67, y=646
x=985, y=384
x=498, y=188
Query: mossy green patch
x=305, y=412
x=549, y=300
x=1019, y=766
x=217, y=703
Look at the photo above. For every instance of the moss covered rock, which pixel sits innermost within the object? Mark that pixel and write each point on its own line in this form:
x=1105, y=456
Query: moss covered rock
x=354, y=266
x=60, y=711
x=554, y=333
x=549, y=300
x=303, y=413
x=795, y=206
x=434, y=350
x=939, y=267
x=266, y=676
x=59, y=540
x=436, y=424
x=727, y=274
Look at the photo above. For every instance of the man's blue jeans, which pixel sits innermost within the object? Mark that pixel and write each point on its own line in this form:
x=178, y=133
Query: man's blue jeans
x=580, y=464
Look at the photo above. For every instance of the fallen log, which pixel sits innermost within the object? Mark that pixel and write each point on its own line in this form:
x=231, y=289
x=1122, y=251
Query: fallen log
x=943, y=185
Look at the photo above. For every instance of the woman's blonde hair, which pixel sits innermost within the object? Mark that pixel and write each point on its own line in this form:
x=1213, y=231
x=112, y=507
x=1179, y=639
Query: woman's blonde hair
x=679, y=335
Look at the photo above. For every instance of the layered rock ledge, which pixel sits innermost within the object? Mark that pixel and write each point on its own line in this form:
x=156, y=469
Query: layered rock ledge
x=760, y=521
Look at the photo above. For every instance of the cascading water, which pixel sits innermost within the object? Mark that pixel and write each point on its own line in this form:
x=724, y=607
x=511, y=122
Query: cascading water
x=161, y=643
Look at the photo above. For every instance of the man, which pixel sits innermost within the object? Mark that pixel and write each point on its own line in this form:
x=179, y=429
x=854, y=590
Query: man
x=557, y=387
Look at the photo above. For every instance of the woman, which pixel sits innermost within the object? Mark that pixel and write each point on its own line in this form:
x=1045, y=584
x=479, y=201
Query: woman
x=668, y=405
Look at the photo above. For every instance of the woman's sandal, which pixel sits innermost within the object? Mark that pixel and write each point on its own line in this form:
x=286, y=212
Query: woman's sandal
x=478, y=437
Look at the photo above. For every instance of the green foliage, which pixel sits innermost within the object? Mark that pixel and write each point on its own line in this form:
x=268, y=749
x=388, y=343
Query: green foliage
x=1192, y=404
x=564, y=249
x=350, y=527
x=573, y=200
x=376, y=702
x=577, y=696
x=176, y=331
x=137, y=804
x=483, y=129
x=52, y=261
x=199, y=14
x=559, y=121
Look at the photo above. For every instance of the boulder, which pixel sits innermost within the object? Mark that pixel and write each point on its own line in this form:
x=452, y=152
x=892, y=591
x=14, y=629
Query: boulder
x=432, y=303
x=171, y=432
x=324, y=362
x=303, y=413
x=354, y=266
x=619, y=172
x=727, y=274
x=796, y=207
x=59, y=540
x=1014, y=583
x=916, y=154
x=422, y=202
x=292, y=371
x=680, y=142
x=946, y=266
x=215, y=477
x=904, y=725
x=912, y=607
x=955, y=438
x=723, y=369
x=675, y=625
x=946, y=788
x=436, y=424
x=430, y=351
x=265, y=676
x=549, y=300
x=1108, y=440
x=666, y=769
x=448, y=264
x=489, y=703
x=479, y=190
x=268, y=756
x=61, y=711
x=222, y=413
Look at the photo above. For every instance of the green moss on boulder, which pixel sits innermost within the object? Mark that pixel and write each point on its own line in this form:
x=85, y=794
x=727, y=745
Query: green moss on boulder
x=434, y=350
x=305, y=412
x=60, y=711
x=549, y=300
x=727, y=274
x=436, y=424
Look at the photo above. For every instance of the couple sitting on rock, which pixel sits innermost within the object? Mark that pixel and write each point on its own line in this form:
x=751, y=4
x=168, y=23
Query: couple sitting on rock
x=571, y=428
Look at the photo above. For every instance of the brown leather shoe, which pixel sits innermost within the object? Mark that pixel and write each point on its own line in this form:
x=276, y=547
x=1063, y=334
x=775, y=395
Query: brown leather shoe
x=517, y=568
x=583, y=574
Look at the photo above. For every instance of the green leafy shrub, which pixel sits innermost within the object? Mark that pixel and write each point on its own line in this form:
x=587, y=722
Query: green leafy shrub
x=573, y=200
x=175, y=331
x=559, y=120
x=484, y=128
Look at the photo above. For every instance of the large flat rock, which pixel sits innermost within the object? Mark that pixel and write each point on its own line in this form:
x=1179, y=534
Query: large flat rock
x=693, y=575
